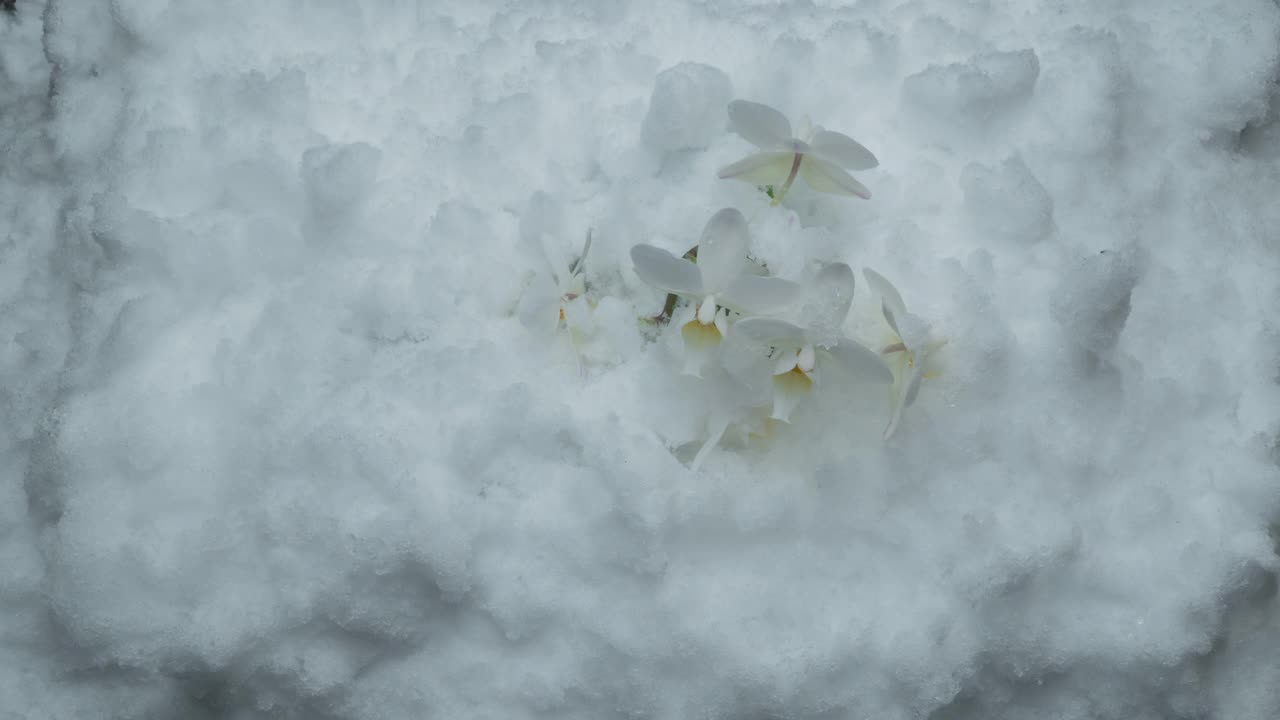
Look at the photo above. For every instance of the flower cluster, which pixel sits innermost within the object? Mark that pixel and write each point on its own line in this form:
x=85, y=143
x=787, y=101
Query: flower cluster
x=716, y=291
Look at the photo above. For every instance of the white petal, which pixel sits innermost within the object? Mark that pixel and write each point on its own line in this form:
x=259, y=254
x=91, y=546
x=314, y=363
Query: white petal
x=902, y=399
x=557, y=259
x=753, y=294
x=806, y=358
x=759, y=124
x=722, y=323
x=722, y=251
x=913, y=384
x=700, y=344
x=539, y=308
x=578, y=265
x=788, y=390
x=769, y=331
x=717, y=431
x=665, y=271
x=881, y=286
x=541, y=224
x=825, y=176
x=927, y=349
x=707, y=310
x=844, y=150
x=787, y=361
x=859, y=362
x=832, y=294
x=576, y=286
x=765, y=168
x=895, y=417
x=577, y=314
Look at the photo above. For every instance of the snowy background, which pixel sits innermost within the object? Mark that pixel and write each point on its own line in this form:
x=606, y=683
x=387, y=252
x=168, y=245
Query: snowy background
x=275, y=444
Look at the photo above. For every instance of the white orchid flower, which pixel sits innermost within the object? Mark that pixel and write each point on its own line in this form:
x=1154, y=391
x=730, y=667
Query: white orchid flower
x=720, y=281
x=908, y=351
x=560, y=300
x=821, y=157
x=802, y=354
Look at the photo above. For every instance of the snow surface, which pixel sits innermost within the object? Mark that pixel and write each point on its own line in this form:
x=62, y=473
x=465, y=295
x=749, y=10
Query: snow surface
x=275, y=443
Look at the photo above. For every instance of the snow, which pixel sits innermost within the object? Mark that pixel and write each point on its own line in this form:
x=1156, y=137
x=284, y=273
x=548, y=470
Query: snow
x=687, y=108
x=276, y=443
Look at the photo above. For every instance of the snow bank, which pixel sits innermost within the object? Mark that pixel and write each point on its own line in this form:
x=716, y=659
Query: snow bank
x=276, y=444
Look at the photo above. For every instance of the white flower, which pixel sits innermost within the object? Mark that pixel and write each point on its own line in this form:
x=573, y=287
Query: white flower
x=802, y=354
x=720, y=281
x=820, y=158
x=908, y=350
x=558, y=301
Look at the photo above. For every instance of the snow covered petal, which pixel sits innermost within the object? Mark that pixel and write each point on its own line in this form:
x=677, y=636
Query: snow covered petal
x=765, y=168
x=665, y=271
x=844, y=150
x=759, y=124
x=825, y=176
x=722, y=251
x=902, y=400
x=829, y=297
x=913, y=385
x=769, y=331
x=754, y=294
x=860, y=362
x=885, y=289
x=577, y=313
x=539, y=308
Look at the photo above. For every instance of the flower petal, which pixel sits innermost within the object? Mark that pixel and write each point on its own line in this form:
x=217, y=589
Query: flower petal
x=554, y=253
x=913, y=384
x=770, y=331
x=788, y=360
x=707, y=310
x=830, y=295
x=930, y=347
x=759, y=124
x=885, y=290
x=859, y=362
x=825, y=176
x=717, y=427
x=756, y=295
x=891, y=302
x=722, y=251
x=806, y=358
x=700, y=344
x=665, y=271
x=539, y=308
x=578, y=265
x=895, y=417
x=577, y=314
x=789, y=389
x=844, y=150
x=765, y=168
x=902, y=398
